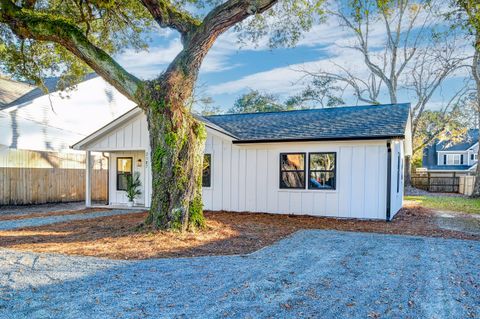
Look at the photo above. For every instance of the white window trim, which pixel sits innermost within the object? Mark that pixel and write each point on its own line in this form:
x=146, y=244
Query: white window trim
x=453, y=159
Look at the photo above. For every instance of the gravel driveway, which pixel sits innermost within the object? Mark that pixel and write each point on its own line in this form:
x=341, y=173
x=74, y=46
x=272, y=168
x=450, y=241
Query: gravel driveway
x=40, y=208
x=312, y=274
x=40, y=221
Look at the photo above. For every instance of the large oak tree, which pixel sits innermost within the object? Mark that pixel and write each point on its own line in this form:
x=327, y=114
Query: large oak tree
x=72, y=37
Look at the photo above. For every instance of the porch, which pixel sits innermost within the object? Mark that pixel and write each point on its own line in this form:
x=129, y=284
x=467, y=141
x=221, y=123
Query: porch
x=121, y=164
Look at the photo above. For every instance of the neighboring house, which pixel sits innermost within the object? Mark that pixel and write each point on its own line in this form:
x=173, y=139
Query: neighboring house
x=52, y=122
x=448, y=158
x=342, y=162
x=36, y=130
x=11, y=90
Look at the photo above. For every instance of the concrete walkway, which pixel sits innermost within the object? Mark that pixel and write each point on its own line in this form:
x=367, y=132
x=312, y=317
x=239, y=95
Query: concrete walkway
x=312, y=274
x=40, y=221
x=463, y=222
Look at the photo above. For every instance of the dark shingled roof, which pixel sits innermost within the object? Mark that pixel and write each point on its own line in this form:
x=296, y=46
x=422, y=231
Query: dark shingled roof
x=471, y=137
x=339, y=123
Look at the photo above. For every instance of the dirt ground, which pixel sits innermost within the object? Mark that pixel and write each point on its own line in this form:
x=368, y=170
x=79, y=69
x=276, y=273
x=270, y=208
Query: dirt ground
x=227, y=233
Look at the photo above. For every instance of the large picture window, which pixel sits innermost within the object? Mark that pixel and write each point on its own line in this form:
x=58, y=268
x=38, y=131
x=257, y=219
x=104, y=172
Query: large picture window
x=124, y=169
x=292, y=170
x=207, y=170
x=322, y=170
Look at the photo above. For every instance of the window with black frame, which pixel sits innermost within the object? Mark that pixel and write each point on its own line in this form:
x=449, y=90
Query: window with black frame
x=322, y=170
x=124, y=169
x=292, y=170
x=207, y=171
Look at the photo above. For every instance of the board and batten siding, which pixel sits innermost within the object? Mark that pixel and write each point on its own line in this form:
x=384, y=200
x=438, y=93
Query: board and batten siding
x=397, y=180
x=129, y=139
x=131, y=135
x=246, y=178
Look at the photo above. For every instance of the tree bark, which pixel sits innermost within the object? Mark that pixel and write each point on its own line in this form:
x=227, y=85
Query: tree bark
x=177, y=143
x=476, y=77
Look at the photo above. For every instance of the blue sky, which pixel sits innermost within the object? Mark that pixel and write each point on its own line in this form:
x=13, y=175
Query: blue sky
x=230, y=69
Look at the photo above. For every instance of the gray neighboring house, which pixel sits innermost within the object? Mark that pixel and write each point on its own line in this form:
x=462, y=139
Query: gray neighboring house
x=447, y=158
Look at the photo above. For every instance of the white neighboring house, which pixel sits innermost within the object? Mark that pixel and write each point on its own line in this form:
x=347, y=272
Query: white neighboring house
x=36, y=131
x=52, y=122
x=342, y=162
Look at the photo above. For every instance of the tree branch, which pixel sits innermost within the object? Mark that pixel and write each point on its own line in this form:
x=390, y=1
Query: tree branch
x=167, y=16
x=221, y=18
x=231, y=12
x=26, y=23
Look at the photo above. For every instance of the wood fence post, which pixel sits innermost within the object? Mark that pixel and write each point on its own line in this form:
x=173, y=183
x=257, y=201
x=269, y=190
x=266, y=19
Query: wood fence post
x=453, y=182
x=428, y=181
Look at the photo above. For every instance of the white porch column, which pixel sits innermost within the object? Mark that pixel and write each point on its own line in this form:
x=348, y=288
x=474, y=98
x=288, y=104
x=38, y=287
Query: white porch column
x=88, y=179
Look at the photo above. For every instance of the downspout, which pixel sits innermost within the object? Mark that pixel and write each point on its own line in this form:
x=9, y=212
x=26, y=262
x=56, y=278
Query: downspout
x=389, y=178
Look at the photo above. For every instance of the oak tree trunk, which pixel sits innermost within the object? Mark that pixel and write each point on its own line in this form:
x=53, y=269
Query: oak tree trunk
x=177, y=142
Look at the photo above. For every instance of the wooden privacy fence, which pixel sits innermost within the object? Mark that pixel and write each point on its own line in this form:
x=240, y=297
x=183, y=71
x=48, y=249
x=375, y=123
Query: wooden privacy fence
x=466, y=185
x=31, y=177
x=435, y=183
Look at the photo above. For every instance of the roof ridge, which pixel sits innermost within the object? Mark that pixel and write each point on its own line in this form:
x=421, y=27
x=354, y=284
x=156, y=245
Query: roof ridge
x=309, y=110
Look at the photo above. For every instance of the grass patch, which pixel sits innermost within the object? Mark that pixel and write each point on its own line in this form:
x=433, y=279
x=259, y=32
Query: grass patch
x=457, y=204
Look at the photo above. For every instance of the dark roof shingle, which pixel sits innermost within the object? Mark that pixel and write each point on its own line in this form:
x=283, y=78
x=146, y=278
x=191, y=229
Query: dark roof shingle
x=470, y=139
x=354, y=122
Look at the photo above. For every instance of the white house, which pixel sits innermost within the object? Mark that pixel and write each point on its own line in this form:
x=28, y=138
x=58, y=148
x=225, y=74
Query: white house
x=36, y=131
x=340, y=162
x=34, y=120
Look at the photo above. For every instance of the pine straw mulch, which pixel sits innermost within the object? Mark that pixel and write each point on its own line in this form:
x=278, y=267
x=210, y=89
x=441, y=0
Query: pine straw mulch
x=48, y=214
x=227, y=233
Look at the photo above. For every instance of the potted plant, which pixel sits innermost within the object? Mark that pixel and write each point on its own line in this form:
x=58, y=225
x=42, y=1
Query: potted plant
x=133, y=187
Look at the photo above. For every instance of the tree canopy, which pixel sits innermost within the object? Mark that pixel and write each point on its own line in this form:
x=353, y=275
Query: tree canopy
x=39, y=38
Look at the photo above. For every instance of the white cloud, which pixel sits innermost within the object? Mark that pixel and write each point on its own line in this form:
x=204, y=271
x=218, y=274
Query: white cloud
x=150, y=63
x=290, y=79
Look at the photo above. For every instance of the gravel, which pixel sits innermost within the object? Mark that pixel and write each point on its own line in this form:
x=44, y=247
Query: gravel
x=41, y=208
x=46, y=220
x=312, y=274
